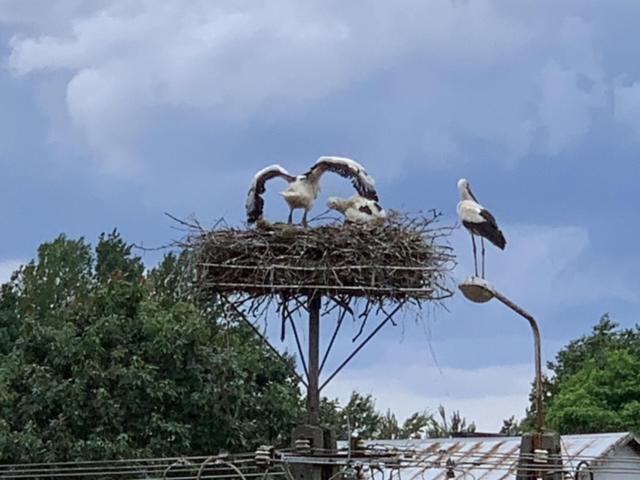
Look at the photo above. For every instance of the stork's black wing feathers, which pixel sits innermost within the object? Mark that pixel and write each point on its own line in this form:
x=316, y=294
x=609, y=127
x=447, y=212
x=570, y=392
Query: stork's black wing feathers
x=255, y=202
x=486, y=214
x=255, y=209
x=488, y=229
x=350, y=169
x=268, y=175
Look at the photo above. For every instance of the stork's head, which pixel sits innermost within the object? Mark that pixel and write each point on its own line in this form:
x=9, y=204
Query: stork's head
x=465, y=190
x=335, y=203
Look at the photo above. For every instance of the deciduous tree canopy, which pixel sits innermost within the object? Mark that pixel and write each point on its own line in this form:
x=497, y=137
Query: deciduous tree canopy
x=602, y=396
x=360, y=417
x=595, y=382
x=99, y=359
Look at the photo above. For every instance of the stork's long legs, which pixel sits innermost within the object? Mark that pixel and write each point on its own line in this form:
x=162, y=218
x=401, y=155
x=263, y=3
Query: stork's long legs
x=290, y=219
x=304, y=218
x=475, y=256
x=482, y=243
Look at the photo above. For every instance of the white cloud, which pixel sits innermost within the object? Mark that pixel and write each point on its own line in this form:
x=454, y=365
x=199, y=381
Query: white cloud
x=7, y=267
x=98, y=102
x=462, y=71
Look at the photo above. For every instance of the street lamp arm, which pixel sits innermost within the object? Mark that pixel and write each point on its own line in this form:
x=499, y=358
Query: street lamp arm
x=539, y=420
x=480, y=291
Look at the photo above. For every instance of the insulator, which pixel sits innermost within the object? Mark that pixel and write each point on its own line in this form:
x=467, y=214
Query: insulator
x=303, y=445
x=540, y=456
x=263, y=455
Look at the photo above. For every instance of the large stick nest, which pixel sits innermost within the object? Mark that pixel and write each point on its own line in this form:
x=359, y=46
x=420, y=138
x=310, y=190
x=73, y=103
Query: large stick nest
x=406, y=259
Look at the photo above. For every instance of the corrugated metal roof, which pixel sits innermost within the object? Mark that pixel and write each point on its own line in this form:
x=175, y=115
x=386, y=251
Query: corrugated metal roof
x=489, y=458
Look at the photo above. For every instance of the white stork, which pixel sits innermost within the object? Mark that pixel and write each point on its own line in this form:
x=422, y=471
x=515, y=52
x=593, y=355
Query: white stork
x=478, y=221
x=303, y=190
x=358, y=209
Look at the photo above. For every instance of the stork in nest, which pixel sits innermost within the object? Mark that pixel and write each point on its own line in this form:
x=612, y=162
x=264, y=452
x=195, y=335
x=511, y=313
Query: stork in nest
x=303, y=190
x=359, y=210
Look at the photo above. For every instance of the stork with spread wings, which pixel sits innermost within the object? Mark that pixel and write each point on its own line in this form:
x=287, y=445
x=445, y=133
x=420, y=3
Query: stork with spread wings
x=303, y=190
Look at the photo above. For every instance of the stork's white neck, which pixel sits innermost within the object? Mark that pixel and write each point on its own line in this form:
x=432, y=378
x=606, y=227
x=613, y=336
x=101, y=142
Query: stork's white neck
x=463, y=189
x=305, y=186
x=314, y=186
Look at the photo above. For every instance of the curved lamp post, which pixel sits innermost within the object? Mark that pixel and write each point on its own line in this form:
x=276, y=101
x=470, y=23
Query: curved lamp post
x=540, y=453
x=479, y=290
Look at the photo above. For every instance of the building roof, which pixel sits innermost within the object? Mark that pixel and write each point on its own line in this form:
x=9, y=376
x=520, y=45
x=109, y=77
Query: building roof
x=493, y=458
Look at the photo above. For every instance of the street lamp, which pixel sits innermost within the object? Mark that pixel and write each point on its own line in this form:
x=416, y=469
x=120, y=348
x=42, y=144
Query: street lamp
x=478, y=290
x=535, y=461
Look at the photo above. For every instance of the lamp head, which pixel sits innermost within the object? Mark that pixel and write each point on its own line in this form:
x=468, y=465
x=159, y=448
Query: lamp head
x=476, y=289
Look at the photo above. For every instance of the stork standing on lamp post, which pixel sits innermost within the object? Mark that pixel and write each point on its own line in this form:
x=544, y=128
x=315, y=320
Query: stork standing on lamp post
x=478, y=221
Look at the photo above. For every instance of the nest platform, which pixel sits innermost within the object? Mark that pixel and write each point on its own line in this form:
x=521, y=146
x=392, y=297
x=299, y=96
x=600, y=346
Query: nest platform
x=407, y=258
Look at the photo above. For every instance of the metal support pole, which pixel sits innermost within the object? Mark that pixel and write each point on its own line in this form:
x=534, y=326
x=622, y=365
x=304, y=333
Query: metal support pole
x=362, y=344
x=313, y=391
x=538, y=399
x=480, y=291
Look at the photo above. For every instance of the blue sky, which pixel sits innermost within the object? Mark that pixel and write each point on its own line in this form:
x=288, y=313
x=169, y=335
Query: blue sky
x=113, y=112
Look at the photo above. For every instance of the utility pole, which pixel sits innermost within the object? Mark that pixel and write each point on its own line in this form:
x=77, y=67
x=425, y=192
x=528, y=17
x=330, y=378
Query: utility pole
x=311, y=437
x=313, y=392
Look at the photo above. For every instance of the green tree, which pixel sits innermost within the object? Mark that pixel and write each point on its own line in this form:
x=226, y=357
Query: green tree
x=359, y=417
x=602, y=396
x=389, y=427
x=582, y=394
x=605, y=336
x=511, y=426
x=363, y=417
x=99, y=359
x=415, y=425
x=442, y=427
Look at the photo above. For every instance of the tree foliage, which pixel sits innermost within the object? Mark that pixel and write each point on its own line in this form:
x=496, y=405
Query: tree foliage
x=415, y=425
x=441, y=426
x=99, y=359
x=360, y=417
x=595, y=382
x=605, y=336
x=602, y=396
x=511, y=426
